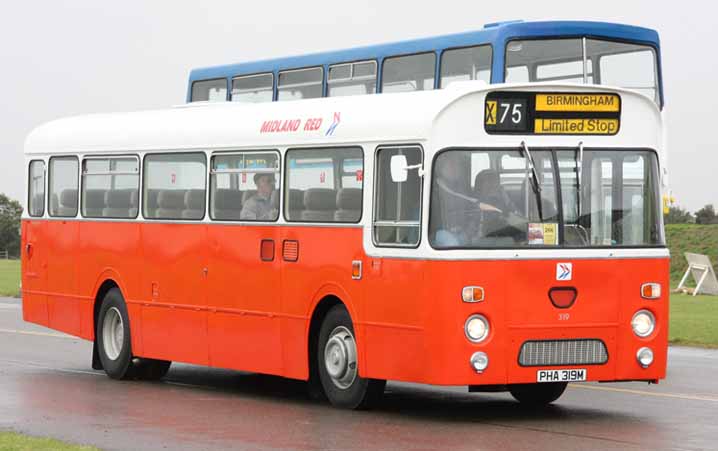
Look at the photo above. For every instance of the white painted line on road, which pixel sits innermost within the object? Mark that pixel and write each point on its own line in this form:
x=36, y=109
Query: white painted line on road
x=39, y=334
x=648, y=393
x=45, y=367
x=10, y=306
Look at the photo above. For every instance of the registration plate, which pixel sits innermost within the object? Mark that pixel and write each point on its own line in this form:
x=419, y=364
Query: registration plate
x=573, y=375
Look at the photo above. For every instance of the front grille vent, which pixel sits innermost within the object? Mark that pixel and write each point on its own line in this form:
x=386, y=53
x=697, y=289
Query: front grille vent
x=563, y=352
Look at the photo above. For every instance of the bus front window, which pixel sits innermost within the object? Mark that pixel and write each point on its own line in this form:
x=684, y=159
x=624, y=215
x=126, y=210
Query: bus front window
x=491, y=199
x=584, y=60
x=619, y=200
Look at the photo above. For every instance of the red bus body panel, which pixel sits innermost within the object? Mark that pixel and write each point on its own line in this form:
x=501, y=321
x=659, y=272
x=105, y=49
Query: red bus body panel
x=203, y=294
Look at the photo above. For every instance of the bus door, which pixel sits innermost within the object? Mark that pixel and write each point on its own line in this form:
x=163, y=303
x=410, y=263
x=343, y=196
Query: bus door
x=174, y=248
x=34, y=272
x=34, y=260
x=393, y=284
x=244, y=275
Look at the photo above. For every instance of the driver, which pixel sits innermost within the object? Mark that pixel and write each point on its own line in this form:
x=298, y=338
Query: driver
x=488, y=189
x=454, y=202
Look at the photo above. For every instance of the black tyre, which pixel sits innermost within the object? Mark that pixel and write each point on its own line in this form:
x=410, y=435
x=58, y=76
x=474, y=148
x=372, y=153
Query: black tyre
x=112, y=332
x=338, y=366
x=537, y=394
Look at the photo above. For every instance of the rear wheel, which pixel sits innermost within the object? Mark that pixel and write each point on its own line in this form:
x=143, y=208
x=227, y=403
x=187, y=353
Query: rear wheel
x=114, y=345
x=537, y=394
x=338, y=364
x=113, y=336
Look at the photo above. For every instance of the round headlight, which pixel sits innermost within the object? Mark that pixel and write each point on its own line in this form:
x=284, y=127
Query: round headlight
x=644, y=357
x=476, y=328
x=643, y=323
x=479, y=361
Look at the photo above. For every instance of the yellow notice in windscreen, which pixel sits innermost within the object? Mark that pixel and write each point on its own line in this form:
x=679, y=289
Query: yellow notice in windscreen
x=578, y=102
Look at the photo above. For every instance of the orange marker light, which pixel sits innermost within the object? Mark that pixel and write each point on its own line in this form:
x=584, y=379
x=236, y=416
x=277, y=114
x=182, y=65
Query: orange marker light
x=651, y=290
x=472, y=294
x=356, y=269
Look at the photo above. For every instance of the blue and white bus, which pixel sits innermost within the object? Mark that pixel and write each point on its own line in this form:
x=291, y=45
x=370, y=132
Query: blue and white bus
x=566, y=51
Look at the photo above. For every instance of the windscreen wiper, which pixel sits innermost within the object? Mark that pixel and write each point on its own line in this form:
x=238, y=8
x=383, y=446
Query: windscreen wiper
x=579, y=170
x=536, y=186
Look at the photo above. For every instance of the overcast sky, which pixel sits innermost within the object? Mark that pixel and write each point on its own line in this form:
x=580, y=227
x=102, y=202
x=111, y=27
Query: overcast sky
x=62, y=58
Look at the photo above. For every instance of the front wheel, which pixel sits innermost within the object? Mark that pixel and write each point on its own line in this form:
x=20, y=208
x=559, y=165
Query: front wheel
x=538, y=394
x=338, y=364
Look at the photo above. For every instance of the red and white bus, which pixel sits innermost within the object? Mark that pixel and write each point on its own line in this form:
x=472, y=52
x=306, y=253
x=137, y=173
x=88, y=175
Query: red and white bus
x=503, y=237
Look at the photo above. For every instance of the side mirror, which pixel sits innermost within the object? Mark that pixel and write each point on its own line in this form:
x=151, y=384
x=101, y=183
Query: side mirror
x=399, y=168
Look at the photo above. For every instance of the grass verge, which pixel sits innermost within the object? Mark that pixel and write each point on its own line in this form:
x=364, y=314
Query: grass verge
x=694, y=321
x=11, y=441
x=10, y=278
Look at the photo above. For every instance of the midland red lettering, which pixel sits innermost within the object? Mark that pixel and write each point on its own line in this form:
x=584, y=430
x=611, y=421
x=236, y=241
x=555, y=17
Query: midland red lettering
x=287, y=125
x=313, y=124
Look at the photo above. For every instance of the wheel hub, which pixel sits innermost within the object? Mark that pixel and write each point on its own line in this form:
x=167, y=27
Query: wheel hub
x=113, y=333
x=340, y=357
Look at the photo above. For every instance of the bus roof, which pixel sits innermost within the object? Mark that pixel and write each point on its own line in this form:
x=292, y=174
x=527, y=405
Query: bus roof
x=496, y=34
x=400, y=117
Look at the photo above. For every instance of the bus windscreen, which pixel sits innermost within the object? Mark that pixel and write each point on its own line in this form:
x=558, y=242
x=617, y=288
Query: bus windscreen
x=492, y=199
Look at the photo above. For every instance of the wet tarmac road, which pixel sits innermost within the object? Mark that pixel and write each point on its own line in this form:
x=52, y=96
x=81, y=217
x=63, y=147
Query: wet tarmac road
x=48, y=389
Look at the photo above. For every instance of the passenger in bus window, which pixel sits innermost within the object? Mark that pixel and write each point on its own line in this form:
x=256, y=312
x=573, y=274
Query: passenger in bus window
x=260, y=207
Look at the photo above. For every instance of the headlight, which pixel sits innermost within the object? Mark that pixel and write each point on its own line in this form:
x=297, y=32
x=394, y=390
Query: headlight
x=476, y=328
x=479, y=361
x=643, y=323
x=644, y=357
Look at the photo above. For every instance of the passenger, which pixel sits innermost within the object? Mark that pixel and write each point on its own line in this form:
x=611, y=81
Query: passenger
x=455, y=204
x=259, y=206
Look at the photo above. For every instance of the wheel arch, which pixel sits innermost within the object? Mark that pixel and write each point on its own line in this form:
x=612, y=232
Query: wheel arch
x=106, y=281
x=327, y=297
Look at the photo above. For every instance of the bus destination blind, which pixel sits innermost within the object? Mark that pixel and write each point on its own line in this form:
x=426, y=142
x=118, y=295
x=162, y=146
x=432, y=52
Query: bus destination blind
x=552, y=113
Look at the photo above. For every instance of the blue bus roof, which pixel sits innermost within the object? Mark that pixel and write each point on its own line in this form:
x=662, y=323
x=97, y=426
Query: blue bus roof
x=496, y=34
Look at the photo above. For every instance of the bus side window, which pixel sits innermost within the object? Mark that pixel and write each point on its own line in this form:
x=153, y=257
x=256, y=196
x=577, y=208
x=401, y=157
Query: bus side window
x=110, y=187
x=469, y=63
x=352, y=79
x=397, y=205
x=244, y=186
x=174, y=186
x=63, y=187
x=253, y=88
x=315, y=193
x=408, y=73
x=36, y=189
x=300, y=84
x=209, y=90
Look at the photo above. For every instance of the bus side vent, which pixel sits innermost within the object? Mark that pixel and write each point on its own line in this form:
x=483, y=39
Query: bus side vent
x=563, y=352
x=290, y=250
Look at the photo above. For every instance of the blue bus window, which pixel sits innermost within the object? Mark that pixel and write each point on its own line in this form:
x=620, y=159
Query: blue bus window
x=253, y=88
x=409, y=73
x=469, y=63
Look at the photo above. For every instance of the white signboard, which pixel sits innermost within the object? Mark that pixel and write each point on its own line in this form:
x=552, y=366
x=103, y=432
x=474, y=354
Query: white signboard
x=700, y=267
